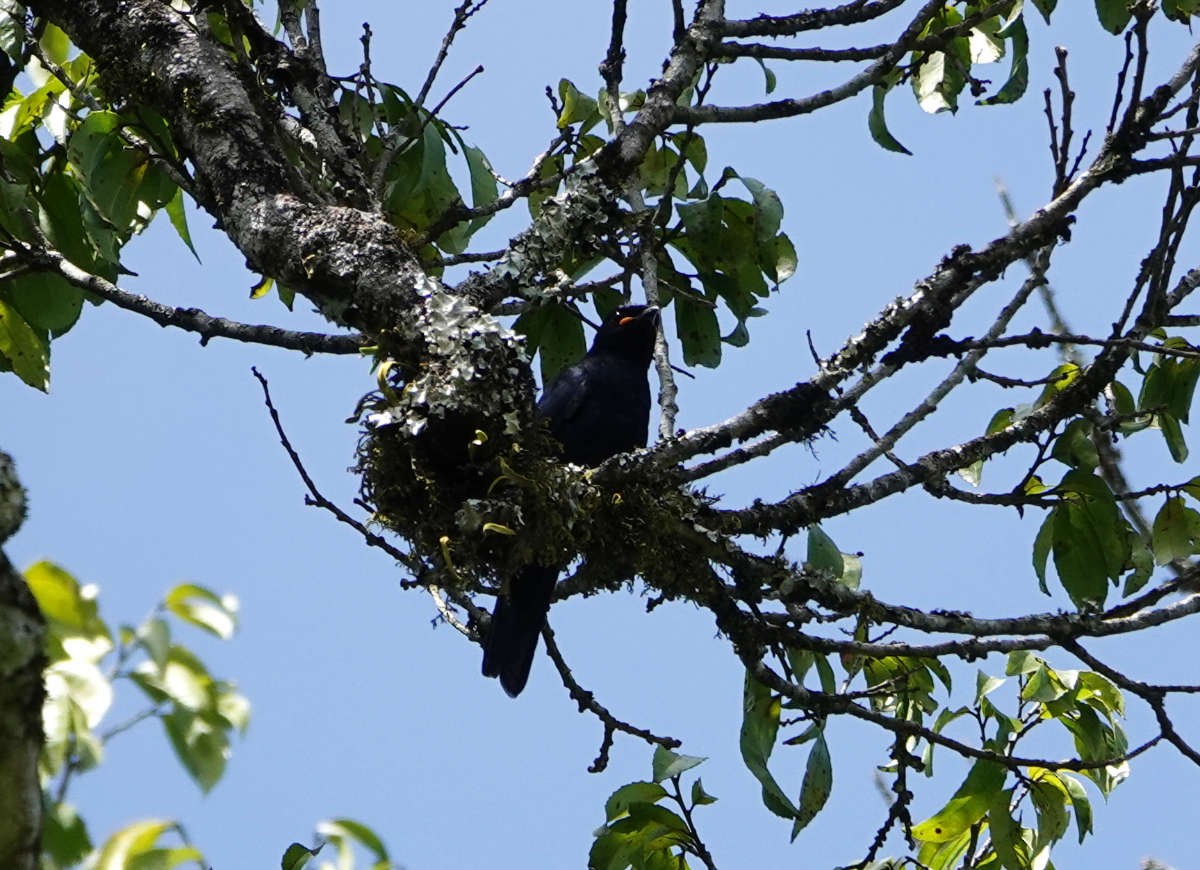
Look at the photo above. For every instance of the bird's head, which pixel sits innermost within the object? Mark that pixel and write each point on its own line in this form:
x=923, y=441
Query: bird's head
x=628, y=332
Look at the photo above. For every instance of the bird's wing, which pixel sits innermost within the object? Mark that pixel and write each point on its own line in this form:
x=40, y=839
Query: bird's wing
x=562, y=399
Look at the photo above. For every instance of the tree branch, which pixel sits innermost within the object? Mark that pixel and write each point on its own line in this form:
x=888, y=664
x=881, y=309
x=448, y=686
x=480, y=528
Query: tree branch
x=195, y=320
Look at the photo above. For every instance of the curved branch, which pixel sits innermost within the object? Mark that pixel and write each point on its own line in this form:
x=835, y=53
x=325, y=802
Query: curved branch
x=195, y=320
x=587, y=702
x=1152, y=695
x=791, y=108
x=834, y=705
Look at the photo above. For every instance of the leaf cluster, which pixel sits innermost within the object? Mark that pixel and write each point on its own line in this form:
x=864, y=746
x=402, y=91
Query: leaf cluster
x=88, y=661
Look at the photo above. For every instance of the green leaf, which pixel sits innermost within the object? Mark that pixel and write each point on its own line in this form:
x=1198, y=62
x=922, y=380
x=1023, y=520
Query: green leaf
x=47, y=302
x=668, y=764
x=1090, y=538
x=1141, y=563
x=484, y=188
x=667, y=821
x=1114, y=15
x=1080, y=803
x=1184, y=374
x=1006, y=833
x=699, y=796
x=178, y=217
x=556, y=334
x=295, y=857
x=760, y=726
x=985, y=685
x=204, y=609
x=1046, y=7
x=84, y=684
x=1074, y=447
x=984, y=44
x=126, y=846
x=118, y=179
x=419, y=189
x=16, y=217
x=154, y=636
x=612, y=850
x=232, y=708
x=21, y=348
x=183, y=680
x=1044, y=686
x=656, y=171
x=349, y=829
x=944, y=856
x=768, y=75
x=1180, y=10
x=1042, y=546
x=969, y=804
x=65, y=837
x=66, y=604
x=287, y=295
x=1018, y=76
x=55, y=43
x=201, y=746
x=1077, y=557
x=12, y=28
x=941, y=75
x=693, y=148
x=817, y=785
x=768, y=209
x=1100, y=693
x=618, y=802
x=1050, y=800
x=577, y=107
x=877, y=123
x=699, y=333
x=823, y=553
x=852, y=573
x=1173, y=435
x=1022, y=662
x=1176, y=531
x=63, y=209
x=782, y=262
x=825, y=675
x=550, y=168
x=1097, y=739
x=1002, y=419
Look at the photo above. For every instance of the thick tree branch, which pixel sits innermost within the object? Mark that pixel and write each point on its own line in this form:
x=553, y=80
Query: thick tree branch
x=348, y=260
x=853, y=12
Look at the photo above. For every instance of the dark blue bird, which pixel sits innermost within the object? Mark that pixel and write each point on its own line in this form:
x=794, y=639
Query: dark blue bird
x=596, y=408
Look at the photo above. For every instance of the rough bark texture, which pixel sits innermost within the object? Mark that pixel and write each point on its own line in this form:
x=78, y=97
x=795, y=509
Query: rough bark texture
x=22, y=635
x=344, y=256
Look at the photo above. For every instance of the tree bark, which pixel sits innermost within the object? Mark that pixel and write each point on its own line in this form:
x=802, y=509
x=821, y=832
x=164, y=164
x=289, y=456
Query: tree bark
x=22, y=638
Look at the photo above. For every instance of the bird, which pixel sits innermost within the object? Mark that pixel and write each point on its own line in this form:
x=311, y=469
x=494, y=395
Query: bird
x=595, y=408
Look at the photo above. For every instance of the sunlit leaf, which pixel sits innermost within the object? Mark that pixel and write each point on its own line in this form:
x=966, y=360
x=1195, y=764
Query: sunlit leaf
x=203, y=608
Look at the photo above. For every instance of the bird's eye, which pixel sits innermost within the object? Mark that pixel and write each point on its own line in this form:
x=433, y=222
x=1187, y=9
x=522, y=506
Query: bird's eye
x=625, y=320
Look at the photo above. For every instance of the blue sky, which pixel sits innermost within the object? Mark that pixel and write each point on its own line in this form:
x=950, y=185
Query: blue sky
x=153, y=462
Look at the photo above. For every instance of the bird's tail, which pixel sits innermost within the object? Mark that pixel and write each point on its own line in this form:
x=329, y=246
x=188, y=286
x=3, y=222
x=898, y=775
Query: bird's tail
x=516, y=624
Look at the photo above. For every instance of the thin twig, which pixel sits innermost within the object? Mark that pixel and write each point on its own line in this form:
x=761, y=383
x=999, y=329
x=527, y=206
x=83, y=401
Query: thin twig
x=587, y=703
x=316, y=499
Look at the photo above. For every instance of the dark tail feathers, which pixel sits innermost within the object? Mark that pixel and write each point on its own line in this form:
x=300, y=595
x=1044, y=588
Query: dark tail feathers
x=517, y=623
